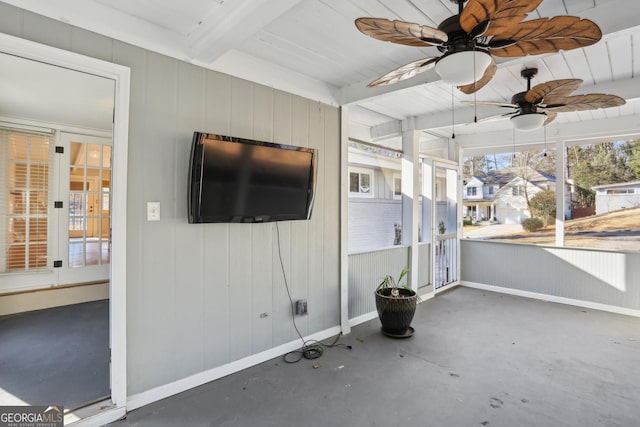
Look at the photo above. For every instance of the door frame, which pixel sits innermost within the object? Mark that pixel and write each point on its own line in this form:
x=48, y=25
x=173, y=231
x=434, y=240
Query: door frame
x=117, y=289
x=452, y=166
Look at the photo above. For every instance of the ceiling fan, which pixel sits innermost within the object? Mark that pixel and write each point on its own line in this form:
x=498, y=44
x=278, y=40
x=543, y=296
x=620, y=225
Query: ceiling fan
x=481, y=30
x=540, y=105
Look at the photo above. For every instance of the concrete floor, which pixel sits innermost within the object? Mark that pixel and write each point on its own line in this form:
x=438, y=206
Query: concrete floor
x=55, y=356
x=477, y=359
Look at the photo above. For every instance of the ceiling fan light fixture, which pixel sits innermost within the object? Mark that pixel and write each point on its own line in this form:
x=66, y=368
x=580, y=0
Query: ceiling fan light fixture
x=531, y=121
x=458, y=68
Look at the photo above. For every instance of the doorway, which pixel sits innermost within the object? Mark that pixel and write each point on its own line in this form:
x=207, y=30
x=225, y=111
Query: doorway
x=116, y=212
x=446, y=241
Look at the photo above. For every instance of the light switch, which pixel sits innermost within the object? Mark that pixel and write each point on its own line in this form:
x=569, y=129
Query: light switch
x=153, y=211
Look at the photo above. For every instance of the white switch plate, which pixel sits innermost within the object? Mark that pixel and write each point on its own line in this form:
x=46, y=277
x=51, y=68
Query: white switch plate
x=153, y=211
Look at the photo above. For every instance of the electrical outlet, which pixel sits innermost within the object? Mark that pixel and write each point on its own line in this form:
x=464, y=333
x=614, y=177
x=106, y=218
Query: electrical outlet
x=301, y=307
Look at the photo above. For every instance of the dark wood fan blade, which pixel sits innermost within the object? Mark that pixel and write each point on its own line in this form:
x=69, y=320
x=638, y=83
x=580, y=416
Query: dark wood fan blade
x=591, y=101
x=546, y=36
x=486, y=78
x=401, y=32
x=491, y=104
x=406, y=71
x=554, y=88
x=551, y=116
x=501, y=14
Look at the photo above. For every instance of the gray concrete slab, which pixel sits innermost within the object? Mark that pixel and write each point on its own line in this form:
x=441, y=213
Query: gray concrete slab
x=477, y=358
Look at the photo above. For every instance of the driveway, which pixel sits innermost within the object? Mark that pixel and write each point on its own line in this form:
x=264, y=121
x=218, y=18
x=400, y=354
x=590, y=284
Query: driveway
x=492, y=230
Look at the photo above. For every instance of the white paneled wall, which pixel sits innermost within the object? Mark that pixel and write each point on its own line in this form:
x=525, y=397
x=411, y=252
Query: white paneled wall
x=201, y=296
x=589, y=275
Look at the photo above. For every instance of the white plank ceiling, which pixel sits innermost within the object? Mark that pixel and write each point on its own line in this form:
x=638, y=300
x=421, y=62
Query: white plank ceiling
x=312, y=48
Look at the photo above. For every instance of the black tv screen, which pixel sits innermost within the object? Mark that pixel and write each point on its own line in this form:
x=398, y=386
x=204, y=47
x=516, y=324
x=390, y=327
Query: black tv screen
x=242, y=180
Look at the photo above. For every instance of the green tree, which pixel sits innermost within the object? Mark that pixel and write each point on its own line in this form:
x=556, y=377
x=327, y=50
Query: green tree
x=543, y=206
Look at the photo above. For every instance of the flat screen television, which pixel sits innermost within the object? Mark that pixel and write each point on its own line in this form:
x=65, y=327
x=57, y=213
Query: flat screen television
x=242, y=180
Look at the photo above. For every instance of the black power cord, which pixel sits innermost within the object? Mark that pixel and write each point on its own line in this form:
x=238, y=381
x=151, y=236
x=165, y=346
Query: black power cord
x=311, y=349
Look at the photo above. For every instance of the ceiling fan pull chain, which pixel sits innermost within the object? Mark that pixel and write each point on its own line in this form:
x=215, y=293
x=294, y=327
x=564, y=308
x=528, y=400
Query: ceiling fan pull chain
x=453, y=117
x=513, y=161
x=545, y=141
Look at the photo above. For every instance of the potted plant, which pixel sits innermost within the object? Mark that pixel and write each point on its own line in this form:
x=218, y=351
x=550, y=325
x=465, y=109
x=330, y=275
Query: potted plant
x=396, y=305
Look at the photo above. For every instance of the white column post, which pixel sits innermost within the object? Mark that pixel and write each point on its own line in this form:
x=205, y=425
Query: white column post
x=411, y=196
x=344, y=215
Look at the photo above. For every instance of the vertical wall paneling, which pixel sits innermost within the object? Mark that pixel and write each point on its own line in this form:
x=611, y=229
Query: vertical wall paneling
x=158, y=250
x=215, y=253
x=366, y=271
x=261, y=243
x=300, y=244
x=283, y=330
x=317, y=226
x=91, y=44
x=46, y=31
x=188, y=265
x=240, y=292
x=590, y=275
x=282, y=324
x=262, y=284
x=217, y=283
x=242, y=98
x=331, y=289
x=197, y=294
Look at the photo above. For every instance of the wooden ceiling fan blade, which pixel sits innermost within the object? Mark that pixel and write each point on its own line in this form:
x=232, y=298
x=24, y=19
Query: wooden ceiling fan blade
x=551, y=116
x=499, y=13
x=545, y=36
x=592, y=101
x=486, y=78
x=555, y=88
x=401, y=32
x=491, y=104
x=405, y=72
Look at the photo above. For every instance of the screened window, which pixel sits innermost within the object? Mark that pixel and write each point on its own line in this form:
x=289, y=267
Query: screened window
x=472, y=191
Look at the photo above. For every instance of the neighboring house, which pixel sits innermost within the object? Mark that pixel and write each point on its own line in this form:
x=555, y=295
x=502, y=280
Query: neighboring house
x=613, y=197
x=500, y=196
x=375, y=200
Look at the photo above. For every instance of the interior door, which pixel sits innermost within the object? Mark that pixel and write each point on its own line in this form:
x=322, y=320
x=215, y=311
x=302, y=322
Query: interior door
x=86, y=223
x=27, y=243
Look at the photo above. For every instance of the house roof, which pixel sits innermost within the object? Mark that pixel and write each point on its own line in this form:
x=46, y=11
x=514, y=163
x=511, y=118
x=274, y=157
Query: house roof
x=504, y=176
x=617, y=185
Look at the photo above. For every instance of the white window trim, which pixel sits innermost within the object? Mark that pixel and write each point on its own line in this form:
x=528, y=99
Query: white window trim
x=371, y=174
x=393, y=187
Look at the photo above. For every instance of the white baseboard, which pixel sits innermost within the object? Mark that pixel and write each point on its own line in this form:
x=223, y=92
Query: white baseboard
x=364, y=318
x=553, y=298
x=145, y=398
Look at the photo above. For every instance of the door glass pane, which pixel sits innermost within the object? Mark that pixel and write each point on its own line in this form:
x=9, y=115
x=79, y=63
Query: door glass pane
x=93, y=155
x=89, y=221
x=106, y=156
